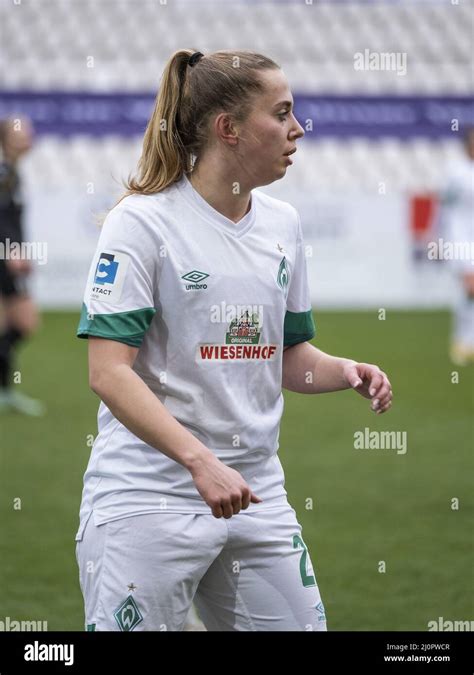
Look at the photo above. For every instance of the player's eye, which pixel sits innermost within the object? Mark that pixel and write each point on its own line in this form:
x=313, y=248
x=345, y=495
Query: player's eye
x=283, y=115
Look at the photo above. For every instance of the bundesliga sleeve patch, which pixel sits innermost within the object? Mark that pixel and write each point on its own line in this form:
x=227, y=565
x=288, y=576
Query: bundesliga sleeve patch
x=108, y=277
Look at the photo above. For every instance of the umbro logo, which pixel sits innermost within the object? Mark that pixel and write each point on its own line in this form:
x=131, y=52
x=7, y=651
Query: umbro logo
x=194, y=277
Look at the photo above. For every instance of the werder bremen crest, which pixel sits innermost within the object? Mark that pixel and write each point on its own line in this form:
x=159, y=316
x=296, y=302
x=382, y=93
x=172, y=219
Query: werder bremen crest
x=244, y=330
x=128, y=615
x=282, y=276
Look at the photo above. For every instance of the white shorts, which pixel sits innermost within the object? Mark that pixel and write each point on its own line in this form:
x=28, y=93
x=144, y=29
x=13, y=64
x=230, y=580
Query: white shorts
x=251, y=572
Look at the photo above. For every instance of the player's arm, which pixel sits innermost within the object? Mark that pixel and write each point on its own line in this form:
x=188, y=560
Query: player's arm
x=308, y=370
x=113, y=379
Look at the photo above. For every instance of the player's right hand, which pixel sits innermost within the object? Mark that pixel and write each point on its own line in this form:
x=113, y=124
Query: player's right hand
x=222, y=488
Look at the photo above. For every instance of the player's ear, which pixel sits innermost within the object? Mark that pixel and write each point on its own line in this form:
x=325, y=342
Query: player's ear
x=226, y=128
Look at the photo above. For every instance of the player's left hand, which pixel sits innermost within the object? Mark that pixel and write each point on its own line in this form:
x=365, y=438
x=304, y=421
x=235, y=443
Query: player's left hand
x=371, y=382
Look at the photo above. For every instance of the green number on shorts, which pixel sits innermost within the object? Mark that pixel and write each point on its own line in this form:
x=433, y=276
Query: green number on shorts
x=307, y=579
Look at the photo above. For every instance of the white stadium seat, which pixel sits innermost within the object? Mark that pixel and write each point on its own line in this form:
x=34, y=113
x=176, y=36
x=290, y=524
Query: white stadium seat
x=46, y=44
x=431, y=33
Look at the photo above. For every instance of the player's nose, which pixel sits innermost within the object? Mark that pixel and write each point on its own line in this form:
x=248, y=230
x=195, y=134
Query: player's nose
x=297, y=130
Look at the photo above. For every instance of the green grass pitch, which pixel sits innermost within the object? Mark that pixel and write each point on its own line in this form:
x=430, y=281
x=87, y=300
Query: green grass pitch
x=368, y=506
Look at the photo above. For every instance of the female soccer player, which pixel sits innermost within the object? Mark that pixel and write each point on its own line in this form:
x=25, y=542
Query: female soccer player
x=198, y=312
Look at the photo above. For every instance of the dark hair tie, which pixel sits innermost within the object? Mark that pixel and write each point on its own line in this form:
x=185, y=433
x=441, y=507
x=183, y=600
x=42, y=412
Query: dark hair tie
x=194, y=58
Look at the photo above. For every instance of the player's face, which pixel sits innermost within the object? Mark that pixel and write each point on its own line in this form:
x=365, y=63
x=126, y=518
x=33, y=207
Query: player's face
x=269, y=132
x=19, y=138
x=469, y=144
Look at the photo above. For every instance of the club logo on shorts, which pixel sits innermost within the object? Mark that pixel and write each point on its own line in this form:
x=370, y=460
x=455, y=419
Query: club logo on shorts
x=128, y=615
x=282, y=276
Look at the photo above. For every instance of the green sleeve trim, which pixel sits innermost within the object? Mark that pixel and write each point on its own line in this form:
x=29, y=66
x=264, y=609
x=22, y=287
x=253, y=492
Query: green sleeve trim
x=298, y=327
x=127, y=327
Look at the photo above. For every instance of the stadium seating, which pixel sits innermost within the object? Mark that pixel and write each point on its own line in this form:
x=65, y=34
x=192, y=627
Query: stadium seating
x=130, y=41
x=45, y=47
x=327, y=165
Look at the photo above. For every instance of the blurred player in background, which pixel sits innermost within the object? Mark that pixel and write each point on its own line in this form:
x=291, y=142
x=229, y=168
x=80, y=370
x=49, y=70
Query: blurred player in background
x=458, y=228
x=18, y=313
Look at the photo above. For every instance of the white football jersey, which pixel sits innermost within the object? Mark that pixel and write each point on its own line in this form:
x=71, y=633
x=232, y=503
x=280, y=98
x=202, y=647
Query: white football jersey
x=210, y=304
